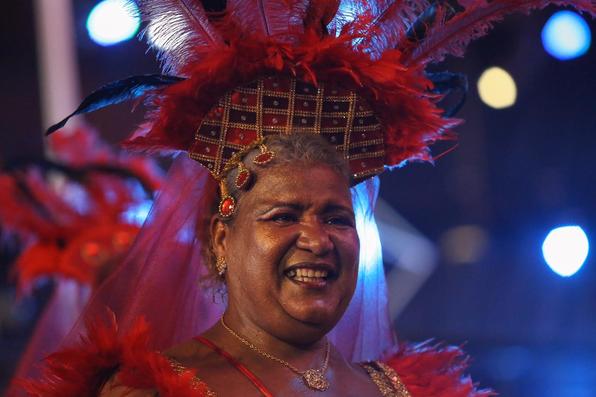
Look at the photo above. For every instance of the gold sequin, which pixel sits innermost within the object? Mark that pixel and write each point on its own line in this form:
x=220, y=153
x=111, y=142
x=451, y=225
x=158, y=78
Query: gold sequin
x=197, y=383
x=386, y=379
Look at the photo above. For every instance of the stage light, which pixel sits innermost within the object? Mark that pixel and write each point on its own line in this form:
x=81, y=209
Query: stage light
x=566, y=35
x=497, y=88
x=565, y=250
x=112, y=22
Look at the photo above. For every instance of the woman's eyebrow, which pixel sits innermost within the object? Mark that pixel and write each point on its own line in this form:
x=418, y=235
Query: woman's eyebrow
x=269, y=206
x=332, y=207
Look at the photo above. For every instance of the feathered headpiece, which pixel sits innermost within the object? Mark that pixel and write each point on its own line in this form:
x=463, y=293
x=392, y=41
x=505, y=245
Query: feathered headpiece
x=352, y=71
x=73, y=238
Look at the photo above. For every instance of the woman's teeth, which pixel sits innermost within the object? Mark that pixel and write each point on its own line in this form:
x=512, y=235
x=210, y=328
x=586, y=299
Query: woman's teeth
x=306, y=275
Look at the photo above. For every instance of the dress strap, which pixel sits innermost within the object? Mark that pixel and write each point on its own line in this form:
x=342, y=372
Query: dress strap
x=236, y=364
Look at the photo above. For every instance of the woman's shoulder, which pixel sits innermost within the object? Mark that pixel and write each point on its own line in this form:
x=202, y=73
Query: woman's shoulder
x=163, y=374
x=426, y=369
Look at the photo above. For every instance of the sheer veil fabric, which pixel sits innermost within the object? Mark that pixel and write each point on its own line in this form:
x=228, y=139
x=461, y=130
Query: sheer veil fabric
x=60, y=313
x=163, y=276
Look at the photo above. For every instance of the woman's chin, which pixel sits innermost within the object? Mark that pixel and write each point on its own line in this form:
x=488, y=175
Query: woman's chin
x=314, y=313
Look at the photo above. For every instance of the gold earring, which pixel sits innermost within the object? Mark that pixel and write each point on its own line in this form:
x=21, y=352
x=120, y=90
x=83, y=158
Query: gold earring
x=221, y=266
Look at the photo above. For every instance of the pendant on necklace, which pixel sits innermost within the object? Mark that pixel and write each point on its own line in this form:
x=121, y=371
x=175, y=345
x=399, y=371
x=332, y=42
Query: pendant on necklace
x=315, y=379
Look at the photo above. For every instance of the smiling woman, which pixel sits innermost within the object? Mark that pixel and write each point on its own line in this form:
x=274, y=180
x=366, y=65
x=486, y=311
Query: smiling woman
x=291, y=264
x=289, y=112
x=288, y=256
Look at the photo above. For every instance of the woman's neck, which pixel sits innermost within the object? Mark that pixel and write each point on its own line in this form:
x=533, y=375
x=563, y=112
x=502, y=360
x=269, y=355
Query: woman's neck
x=241, y=336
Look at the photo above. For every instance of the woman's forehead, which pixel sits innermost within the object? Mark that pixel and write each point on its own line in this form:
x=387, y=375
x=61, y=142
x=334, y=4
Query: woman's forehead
x=318, y=182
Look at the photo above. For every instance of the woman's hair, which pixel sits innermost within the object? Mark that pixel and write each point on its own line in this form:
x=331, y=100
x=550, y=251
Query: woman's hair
x=302, y=149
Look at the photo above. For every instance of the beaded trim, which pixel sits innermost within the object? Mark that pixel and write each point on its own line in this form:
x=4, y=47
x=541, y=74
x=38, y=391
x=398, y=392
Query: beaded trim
x=281, y=104
x=386, y=379
x=196, y=381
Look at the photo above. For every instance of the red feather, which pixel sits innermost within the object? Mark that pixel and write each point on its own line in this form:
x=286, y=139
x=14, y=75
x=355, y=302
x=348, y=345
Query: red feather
x=180, y=30
x=391, y=23
x=320, y=14
x=269, y=18
x=18, y=217
x=82, y=370
x=451, y=37
x=434, y=371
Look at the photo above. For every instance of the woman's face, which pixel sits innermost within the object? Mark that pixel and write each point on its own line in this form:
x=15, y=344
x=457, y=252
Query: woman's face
x=292, y=251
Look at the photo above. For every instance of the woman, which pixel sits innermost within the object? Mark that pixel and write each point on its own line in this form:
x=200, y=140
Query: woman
x=255, y=81
x=289, y=261
x=288, y=257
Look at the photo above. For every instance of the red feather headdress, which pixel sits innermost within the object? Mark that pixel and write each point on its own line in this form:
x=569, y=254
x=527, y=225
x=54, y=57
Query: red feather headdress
x=377, y=51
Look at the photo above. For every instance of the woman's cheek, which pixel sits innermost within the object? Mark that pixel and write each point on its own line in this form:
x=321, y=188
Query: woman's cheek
x=350, y=247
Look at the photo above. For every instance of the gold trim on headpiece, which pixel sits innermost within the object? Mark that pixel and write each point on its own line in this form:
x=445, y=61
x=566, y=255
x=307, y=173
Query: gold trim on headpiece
x=277, y=105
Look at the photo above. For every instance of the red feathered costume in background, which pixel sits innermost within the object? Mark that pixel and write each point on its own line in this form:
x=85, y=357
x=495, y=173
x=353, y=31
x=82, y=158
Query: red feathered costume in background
x=72, y=232
x=378, y=50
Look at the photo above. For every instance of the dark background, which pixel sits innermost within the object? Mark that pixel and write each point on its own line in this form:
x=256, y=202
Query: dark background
x=516, y=174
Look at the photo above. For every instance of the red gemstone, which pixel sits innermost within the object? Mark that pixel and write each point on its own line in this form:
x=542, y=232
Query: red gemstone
x=264, y=158
x=242, y=179
x=227, y=206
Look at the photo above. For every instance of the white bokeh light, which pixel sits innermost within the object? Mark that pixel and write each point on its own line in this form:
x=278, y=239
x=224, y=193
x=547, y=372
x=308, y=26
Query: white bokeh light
x=565, y=250
x=112, y=22
x=497, y=88
x=566, y=35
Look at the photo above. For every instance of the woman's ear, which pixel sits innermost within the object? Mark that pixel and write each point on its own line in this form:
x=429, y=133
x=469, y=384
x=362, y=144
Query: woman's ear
x=219, y=232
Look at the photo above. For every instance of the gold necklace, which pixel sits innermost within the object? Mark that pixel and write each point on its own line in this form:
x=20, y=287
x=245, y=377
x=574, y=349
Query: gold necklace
x=314, y=378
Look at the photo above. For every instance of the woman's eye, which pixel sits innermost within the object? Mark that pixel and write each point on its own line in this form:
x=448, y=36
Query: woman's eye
x=284, y=218
x=340, y=221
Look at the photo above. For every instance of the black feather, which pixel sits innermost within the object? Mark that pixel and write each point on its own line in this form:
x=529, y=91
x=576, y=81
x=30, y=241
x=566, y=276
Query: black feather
x=117, y=92
x=419, y=29
x=447, y=83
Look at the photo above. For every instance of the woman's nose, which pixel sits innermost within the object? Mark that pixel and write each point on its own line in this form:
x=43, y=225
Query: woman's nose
x=315, y=238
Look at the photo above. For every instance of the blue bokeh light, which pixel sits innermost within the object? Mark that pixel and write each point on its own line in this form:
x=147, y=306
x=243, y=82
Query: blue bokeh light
x=137, y=214
x=565, y=250
x=112, y=22
x=566, y=35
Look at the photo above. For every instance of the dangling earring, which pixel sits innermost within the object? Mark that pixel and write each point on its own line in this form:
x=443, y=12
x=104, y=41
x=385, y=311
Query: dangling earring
x=221, y=266
x=227, y=204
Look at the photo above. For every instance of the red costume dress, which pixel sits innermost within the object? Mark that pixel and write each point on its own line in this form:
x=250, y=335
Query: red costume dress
x=412, y=371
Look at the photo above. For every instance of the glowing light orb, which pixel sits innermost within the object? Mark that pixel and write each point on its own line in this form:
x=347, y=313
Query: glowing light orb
x=566, y=35
x=112, y=22
x=565, y=250
x=497, y=88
